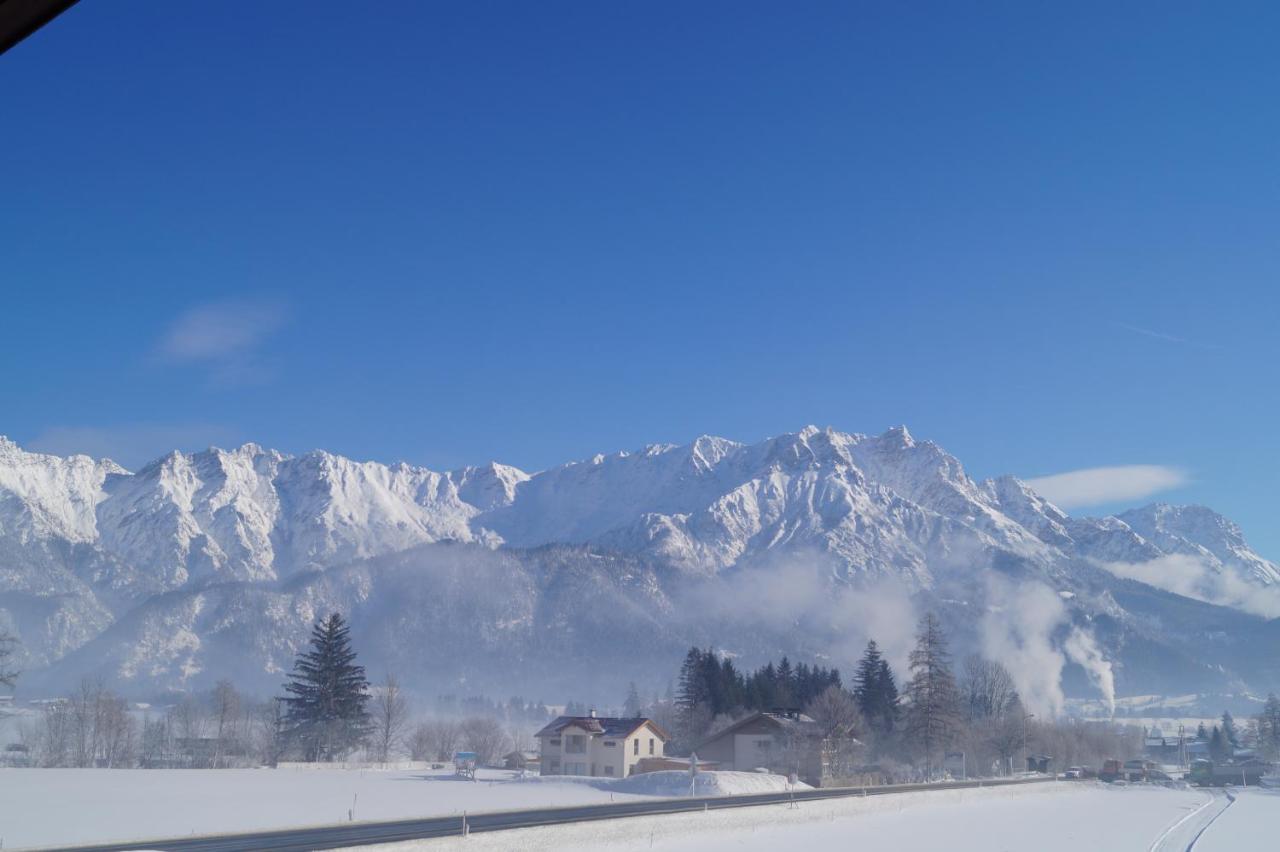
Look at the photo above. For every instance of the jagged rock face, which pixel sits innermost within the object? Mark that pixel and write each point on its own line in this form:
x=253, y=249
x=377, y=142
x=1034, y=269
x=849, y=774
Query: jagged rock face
x=219, y=559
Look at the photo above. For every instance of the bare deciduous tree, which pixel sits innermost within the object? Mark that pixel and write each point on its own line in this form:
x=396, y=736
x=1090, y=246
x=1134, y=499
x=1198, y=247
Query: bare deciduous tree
x=836, y=710
x=485, y=737
x=269, y=732
x=988, y=690
x=435, y=739
x=93, y=727
x=56, y=734
x=226, y=715
x=390, y=718
x=8, y=674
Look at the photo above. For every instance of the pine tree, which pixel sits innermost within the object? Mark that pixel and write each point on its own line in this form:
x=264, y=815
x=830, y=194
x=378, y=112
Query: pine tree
x=866, y=688
x=933, y=701
x=1229, y=730
x=876, y=690
x=1217, y=744
x=888, y=702
x=631, y=707
x=1268, y=722
x=325, y=710
x=693, y=698
x=785, y=691
x=1202, y=733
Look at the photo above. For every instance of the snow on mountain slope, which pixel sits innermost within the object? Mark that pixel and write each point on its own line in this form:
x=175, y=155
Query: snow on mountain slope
x=162, y=576
x=50, y=496
x=1202, y=533
x=882, y=504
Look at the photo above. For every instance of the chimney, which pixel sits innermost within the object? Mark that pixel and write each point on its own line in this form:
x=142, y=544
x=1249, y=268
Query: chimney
x=592, y=713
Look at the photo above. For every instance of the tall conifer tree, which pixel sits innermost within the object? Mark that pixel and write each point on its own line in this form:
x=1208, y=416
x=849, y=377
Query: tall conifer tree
x=933, y=700
x=327, y=694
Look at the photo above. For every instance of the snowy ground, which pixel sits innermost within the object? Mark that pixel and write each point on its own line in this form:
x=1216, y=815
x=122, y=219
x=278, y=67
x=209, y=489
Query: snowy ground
x=1063, y=817
x=48, y=807
x=55, y=807
x=1243, y=827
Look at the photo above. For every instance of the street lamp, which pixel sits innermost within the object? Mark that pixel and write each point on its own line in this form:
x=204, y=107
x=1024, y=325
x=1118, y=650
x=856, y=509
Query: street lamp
x=1023, y=738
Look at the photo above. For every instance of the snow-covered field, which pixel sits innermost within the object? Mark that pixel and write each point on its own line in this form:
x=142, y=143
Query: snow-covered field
x=1252, y=823
x=47, y=807
x=1063, y=817
x=57, y=807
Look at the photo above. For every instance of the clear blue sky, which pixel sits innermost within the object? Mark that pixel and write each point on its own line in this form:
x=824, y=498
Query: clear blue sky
x=451, y=232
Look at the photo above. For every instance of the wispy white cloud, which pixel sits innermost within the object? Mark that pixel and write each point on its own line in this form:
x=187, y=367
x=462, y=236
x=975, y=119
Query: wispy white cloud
x=1196, y=578
x=131, y=445
x=1097, y=485
x=226, y=337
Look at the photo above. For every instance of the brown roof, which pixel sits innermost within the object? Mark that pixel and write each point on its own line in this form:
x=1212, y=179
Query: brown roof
x=608, y=726
x=796, y=723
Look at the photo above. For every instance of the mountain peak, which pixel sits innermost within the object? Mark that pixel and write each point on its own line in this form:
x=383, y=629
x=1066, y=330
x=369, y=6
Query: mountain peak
x=899, y=436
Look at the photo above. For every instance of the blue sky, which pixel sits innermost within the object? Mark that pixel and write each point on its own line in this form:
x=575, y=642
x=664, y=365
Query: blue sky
x=451, y=232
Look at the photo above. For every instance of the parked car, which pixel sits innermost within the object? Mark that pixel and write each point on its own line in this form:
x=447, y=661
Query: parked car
x=1073, y=772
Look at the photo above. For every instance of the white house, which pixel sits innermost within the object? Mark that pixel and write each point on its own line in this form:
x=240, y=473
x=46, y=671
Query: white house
x=601, y=746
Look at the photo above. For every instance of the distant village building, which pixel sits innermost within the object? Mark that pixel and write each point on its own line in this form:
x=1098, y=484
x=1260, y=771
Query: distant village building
x=598, y=746
x=520, y=760
x=1171, y=750
x=786, y=741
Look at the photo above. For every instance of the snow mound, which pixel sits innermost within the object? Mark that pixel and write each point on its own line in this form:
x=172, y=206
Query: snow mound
x=675, y=783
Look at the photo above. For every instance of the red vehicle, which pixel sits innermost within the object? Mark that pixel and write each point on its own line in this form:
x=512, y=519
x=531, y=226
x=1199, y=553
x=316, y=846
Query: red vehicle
x=1112, y=770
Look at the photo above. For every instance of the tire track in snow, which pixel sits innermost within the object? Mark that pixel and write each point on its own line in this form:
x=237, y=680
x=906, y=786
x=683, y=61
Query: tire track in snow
x=1172, y=839
x=1231, y=800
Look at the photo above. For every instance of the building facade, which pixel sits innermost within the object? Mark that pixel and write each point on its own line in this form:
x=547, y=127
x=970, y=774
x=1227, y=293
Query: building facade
x=598, y=746
x=784, y=742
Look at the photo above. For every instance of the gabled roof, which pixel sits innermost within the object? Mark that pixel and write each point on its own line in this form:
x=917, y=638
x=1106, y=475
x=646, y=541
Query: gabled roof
x=794, y=723
x=608, y=726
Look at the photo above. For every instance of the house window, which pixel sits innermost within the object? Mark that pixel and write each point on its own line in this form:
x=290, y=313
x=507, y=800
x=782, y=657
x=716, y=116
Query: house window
x=608, y=770
x=577, y=744
x=650, y=745
x=555, y=741
x=553, y=768
x=764, y=745
x=610, y=744
x=635, y=746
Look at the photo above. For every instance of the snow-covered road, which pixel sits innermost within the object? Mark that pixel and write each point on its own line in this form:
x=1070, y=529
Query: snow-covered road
x=1064, y=817
x=48, y=807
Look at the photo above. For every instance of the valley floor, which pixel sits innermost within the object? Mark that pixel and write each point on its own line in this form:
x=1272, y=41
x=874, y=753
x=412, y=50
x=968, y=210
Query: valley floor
x=1063, y=817
x=57, y=807
x=52, y=807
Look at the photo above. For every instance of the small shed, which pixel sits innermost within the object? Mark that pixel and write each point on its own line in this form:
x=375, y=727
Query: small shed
x=520, y=760
x=1039, y=763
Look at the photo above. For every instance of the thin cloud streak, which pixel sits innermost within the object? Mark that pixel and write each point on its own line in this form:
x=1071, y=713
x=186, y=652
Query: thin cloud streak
x=1167, y=338
x=1098, y=485
x=221, y=331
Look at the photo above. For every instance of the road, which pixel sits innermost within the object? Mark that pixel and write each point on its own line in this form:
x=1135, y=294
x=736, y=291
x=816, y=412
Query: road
x=363, y=834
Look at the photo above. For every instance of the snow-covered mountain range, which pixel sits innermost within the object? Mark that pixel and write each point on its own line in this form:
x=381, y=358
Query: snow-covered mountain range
x=210, y=564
